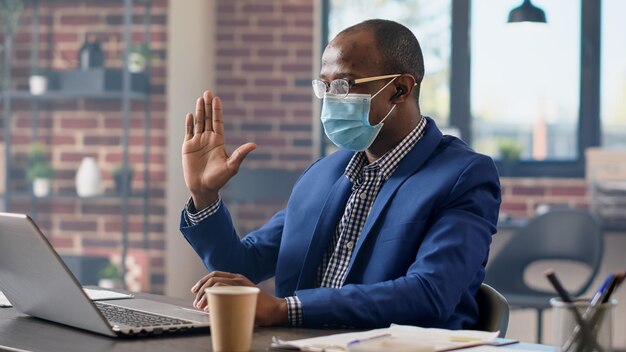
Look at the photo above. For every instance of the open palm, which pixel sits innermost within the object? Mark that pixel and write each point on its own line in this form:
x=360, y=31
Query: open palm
x=207, y=167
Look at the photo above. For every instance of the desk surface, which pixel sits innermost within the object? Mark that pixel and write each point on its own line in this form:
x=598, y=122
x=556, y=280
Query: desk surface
x=21, y=332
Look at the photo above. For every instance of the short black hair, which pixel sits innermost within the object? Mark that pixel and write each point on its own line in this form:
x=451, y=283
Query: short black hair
x=397, y=45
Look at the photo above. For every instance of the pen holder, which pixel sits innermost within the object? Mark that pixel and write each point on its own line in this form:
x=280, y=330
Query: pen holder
x=568, y=334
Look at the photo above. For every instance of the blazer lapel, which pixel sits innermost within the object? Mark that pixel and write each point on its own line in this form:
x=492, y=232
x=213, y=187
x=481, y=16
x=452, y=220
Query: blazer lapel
x=326, y=225
x=407, y=167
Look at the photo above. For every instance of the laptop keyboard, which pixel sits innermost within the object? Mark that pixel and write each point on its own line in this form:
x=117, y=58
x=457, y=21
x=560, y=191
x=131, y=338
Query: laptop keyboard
x=124, y=316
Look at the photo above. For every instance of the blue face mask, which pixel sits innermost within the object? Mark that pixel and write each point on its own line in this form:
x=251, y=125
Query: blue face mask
x=346, y=120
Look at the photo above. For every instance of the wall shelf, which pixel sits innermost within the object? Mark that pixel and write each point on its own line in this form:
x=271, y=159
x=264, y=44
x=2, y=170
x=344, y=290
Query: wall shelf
x=122, y=89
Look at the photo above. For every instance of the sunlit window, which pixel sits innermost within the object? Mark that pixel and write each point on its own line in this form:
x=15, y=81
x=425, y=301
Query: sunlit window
x=613, y=82
x=525, y=79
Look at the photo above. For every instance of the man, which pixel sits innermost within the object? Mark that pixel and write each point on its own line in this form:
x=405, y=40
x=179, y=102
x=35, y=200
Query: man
x=396, y=232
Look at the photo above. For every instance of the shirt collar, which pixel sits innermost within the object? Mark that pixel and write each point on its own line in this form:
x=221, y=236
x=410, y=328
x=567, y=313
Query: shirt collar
x=389, y=161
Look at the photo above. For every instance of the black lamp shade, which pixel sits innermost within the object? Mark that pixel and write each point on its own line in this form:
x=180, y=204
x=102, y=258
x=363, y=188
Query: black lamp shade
x=527, y=12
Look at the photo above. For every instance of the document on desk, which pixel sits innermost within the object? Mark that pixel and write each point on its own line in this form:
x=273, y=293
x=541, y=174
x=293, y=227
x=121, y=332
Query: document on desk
x=94, y=294
x=396, y=337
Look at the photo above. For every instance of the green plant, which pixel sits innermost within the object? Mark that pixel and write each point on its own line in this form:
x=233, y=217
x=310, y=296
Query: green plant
x=109, y=271
x=510, y=150
x=37, y=164
x=10, y=13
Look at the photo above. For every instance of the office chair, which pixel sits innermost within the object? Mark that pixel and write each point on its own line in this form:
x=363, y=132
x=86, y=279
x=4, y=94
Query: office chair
x=493, y=310
x=565, y=234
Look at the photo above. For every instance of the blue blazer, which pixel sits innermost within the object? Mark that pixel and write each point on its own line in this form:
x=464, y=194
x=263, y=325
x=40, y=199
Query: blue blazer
x=420, y=257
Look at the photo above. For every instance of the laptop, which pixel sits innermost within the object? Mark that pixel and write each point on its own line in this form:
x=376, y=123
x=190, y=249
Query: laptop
x=38, y=283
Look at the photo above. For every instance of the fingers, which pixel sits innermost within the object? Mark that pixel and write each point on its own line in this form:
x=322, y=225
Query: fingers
x=218, y=120
x=199, y=116
x=236, y=158
x=208, y=110
x=216, y=278
x=189, y=126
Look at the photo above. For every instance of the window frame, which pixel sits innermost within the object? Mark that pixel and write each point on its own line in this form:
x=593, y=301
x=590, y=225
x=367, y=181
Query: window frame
x=589, y=123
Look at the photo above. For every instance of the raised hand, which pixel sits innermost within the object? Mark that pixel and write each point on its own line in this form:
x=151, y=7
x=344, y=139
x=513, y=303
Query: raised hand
x=207, y=167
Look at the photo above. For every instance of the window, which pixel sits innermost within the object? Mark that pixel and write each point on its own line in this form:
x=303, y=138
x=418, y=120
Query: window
x=613, y=79
x=531, y=87
x=429, y=20
x=525, y=80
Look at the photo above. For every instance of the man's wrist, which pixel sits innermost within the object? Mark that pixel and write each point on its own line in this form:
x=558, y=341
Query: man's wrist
x=202, y=201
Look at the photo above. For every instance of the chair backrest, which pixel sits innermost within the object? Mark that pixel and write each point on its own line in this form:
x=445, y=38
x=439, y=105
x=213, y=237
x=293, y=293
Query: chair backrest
x=493, y=310
x=565, y=234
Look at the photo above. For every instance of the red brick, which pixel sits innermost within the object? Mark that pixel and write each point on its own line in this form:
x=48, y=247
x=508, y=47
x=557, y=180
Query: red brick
x=102, y=140
x=75, y=225
x=278, y=22
x=297, y=38
x=74, y=20
x=232, y=52
x=78, y=123
x=296, y=68
x=253, y=8
x=272, y=53
x=262, y=68
x=513, y=206
x=257, y=38
x=62, y=243
x=59, y=140
x=257, y=97
x=297, y=8
x=269, y=113
x=529, y=190
x=568, y=191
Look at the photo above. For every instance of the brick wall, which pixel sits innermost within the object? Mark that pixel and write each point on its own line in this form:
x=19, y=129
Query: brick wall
x=264, y=66
x=521, y=196
x=75, y=128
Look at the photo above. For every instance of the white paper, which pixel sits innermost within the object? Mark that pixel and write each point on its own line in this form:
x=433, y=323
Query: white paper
x=438, y=339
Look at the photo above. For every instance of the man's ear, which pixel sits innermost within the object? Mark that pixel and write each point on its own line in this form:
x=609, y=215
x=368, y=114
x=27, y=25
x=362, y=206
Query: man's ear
x=404, y=87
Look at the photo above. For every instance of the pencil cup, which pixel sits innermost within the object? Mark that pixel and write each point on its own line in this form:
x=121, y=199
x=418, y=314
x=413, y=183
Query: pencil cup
x=569, y=335
x=232, y=310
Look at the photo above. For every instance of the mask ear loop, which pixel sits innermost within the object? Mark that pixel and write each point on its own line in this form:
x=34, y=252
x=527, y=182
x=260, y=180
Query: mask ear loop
x=394, y=105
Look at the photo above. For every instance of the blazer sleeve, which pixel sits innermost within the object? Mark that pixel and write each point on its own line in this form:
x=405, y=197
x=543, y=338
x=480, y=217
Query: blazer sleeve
x=449, y=261
x=219, y=246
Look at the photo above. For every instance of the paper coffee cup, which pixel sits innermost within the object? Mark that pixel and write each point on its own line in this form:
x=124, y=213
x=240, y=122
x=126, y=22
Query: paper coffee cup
x=232, y=310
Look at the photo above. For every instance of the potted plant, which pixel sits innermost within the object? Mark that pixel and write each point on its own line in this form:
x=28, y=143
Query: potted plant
x=119, y=173
x=109, y=276
x=510, y=151
x=138, y=58
x=39, y=172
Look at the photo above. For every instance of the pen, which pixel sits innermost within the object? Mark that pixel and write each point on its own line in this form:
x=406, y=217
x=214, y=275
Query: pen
x=367, y=339
x=591, y=314
x=589, y=338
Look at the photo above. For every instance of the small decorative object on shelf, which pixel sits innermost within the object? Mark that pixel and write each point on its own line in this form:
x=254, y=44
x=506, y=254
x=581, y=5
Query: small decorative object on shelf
x=38, y=170
x=90, y=54
x=38, y=84
x=88, y=178
x=510, y=151
x=119, y=173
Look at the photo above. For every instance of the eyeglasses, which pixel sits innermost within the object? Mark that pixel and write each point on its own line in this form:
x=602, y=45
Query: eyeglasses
x=342, y=86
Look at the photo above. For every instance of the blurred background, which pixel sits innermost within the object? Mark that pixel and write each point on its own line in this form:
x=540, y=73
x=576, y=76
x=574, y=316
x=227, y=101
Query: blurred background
x=93, y=95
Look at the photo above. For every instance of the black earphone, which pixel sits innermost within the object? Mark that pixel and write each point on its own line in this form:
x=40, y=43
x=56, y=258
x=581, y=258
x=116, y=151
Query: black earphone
x=398, y=93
